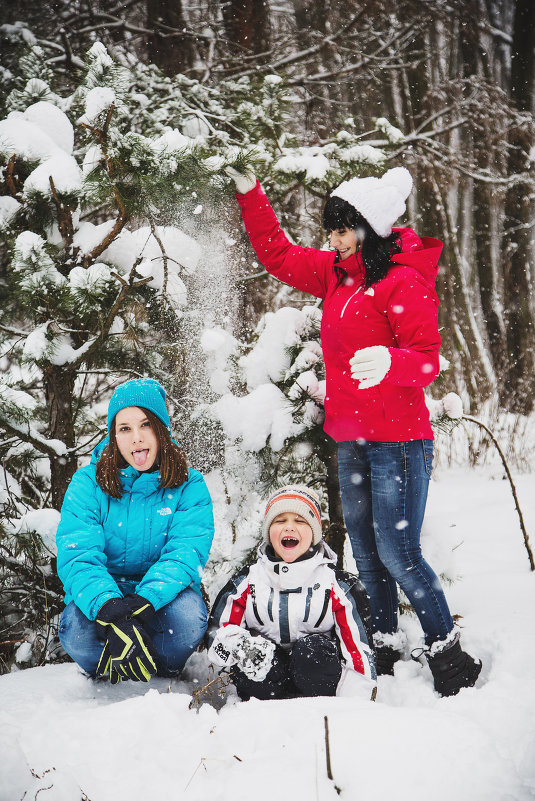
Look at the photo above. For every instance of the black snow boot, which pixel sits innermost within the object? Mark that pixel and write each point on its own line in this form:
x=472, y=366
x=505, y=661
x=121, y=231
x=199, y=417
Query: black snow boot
x=453, y=669
x=385, y=658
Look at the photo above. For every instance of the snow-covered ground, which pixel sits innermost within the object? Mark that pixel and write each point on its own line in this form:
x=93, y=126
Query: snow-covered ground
x=66, y=738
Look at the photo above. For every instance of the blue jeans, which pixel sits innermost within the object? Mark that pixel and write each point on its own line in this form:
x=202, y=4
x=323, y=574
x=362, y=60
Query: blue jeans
x=176, y=631
x=384, y=491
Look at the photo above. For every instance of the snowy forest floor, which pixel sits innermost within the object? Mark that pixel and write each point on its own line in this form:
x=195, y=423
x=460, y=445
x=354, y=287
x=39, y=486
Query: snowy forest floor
x=65, y=738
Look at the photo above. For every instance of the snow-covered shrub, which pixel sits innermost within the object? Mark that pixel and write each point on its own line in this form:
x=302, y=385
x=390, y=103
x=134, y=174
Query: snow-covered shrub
x=275, y=409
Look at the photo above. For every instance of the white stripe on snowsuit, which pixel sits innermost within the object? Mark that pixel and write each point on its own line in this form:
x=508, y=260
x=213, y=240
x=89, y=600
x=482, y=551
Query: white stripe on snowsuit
x=284, y=602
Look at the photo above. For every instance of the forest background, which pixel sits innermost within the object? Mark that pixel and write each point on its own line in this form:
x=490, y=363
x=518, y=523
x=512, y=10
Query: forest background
x=123, y=254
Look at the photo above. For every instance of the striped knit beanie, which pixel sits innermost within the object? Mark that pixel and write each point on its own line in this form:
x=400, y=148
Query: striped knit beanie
x=299, y=500
x=142, y=392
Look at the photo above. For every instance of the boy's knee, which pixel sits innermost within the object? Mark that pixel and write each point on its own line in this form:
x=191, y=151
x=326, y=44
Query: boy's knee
x=314, y=646
x=315, y=665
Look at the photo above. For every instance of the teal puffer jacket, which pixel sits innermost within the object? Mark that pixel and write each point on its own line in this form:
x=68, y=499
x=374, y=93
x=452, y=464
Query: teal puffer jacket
x=151, y=541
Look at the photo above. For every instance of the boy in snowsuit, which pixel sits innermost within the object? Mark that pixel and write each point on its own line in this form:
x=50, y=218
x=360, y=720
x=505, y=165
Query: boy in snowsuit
x=292, y=623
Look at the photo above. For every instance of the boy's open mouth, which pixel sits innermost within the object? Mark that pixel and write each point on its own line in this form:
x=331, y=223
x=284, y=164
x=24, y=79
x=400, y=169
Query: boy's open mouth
x=289, y=542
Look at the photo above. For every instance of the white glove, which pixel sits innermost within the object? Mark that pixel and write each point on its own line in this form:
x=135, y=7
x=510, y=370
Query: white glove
x=234, y=645
x=220, y=652
x=453, y=405
x=370, y=365
x=244, y=182
x=254, y=656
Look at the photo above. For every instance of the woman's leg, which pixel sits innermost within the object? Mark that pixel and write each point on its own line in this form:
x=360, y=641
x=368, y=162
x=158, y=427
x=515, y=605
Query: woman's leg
x=176, y=631
x=356, y=492
x=400, y=474
x=81, y=638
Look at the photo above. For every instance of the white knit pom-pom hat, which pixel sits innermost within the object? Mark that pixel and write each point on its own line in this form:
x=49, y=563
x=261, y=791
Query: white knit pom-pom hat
x=380, y=200
x=299, y=500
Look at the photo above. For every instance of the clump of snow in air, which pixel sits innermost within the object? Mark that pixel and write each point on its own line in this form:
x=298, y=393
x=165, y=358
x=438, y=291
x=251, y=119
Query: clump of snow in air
x=218, y=346
x=24, y=653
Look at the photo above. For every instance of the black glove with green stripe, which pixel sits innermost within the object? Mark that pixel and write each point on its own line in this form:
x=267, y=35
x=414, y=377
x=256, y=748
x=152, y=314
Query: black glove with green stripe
x=128, y=652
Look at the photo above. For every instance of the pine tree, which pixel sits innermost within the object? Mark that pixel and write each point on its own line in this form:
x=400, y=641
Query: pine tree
x=271, y=400
x=98, y=166
x=93, y=289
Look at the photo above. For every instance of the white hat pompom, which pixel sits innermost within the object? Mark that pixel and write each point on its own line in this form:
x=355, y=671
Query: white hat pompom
x=401, y=179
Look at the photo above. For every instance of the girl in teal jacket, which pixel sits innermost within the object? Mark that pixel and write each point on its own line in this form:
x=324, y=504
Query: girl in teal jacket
x=135, y=532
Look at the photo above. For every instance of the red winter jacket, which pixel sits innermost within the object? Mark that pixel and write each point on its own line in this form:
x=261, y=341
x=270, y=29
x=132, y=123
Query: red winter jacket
x=400, y=312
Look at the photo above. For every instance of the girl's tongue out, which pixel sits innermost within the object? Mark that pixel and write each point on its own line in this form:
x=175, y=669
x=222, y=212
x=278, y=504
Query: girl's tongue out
x=140, y=457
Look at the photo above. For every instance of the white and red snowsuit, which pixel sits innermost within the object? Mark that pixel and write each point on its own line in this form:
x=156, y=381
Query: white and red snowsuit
x=285, y=602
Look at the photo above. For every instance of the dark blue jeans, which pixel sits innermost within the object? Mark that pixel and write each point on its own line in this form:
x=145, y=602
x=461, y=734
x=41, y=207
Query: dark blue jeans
x=384, y=491
x=176, y=631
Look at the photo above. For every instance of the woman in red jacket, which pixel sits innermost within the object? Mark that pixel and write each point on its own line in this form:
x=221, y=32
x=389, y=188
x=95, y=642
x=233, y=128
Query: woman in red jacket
x=380, y=345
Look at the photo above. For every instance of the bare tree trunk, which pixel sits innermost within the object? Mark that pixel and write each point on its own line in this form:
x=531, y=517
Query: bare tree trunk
x=247, y=24
x=171, y=53
x=518, y=390
x=488, y=289
x=59, y=393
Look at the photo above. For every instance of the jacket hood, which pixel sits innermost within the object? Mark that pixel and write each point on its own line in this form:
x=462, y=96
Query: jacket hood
x=422, y=254
x=97, y=450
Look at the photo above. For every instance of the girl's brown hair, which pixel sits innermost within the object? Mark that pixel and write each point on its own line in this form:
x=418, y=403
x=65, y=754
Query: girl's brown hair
x=173, y=462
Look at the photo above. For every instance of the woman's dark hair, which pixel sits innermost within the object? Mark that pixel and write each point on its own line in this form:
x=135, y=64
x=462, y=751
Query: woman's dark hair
x=173, y=465
x=376, y=250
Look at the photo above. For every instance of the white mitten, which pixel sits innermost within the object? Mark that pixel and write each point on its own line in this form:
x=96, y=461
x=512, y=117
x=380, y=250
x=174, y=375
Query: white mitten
x=370, y=365
x=453, y=405
x=244, y=181
x=254, y=656
x=221, y=651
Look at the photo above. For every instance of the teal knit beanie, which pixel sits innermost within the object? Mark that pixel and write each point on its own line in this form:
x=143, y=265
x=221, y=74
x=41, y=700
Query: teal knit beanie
x=144, y=392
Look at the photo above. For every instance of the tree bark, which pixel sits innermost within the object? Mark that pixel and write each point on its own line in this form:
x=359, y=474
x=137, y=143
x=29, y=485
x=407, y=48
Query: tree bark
x=518, y=389
x=59, y=393
x=172, y=54
x=247, y=24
